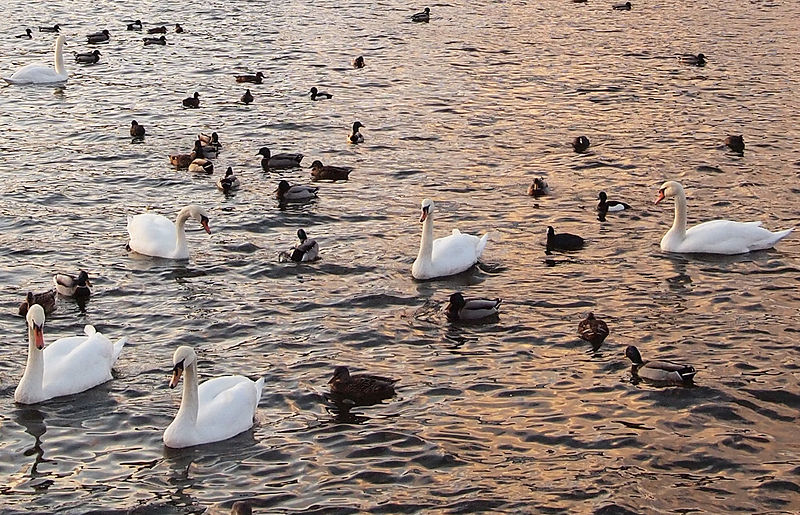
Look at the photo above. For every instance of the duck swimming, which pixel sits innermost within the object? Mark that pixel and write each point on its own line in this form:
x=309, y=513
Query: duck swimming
x=360, y=389
x=46, y=299
x=663, y=372
x=178, y=28
x=319, y=172
x=605, y=206
x=306, y=250
x=463, y=309
x=622, y=7
x=593, y=330
x=155, y=41
x=563, y=241
x=137, y=25
x=355, y=136
x=295, y=193
x=693, y=60
x=88, y=57
x=192, y=101
x=319, y=95
x=422, y=17
x=228, y=183
x=99, y=37
x=278, y=161
x=358, y=62
x=137, y=131
x=255, y=79
x=54, y=28
x=158, y=30
x=538, y=188
x=247, y=98
x=28, y=35
x=735, y=143
x=70, y=286
x=580, y=144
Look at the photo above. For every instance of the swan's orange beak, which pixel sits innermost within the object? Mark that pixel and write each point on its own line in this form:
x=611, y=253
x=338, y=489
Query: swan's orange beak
x=176, y=375
x=424, y=215
x=205, y=226
x=38, y=337
x=660, y=196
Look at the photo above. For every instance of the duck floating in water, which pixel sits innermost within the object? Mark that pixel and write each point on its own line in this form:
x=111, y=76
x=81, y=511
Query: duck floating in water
x=422, y=17
x=157, y=30
x=580, y=144
x=99, y=37
x=28, y=35
x=593, y=330
x=563, y=241
x=70, y=286
x=54, y=28
x=278, y=161
x=155, y=235
x=178, y=28
x=192, y=101
x=209, y=141
x=360, y=389
x=247, y=98
x=319, y=95
x=184, y=160
x=463, y=309
x=306, y=250
x=663, y=372
x=358, y=62
x=295, y=193
x=201, y=165
x=45, y=299
x=693, y=60
x=623, y=7
x=136, y=25
x=605, y=206
x=319, y=172
x=87, y=57
x=155, y=41
x=228, y=183
x=255, y=79
x=137, y=131
x=735, y=143
x=538, y=188
x=355, y=136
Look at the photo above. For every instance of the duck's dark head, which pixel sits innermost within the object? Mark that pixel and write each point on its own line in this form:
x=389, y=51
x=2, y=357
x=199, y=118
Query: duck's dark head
x=427, y=10
x=602, y=196
x=229, y=172
x=590, y=316
x=214, y=137
x=316, y=165
x=83, y=278
x=196, y=94
x=340, y=374
x=550, y=232
x=263, y=151
x=457, y=301
x=283, y=186
x=314, y=91
x=356, y=126
x=29, y=299
x=57, y=27
x=632, y=353
x=301, y=235
x=259, y=75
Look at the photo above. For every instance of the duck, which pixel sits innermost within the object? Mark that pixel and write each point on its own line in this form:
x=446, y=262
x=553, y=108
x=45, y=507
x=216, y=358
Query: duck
x=137, y=25
x=68, y=365
x=663, y=372
x=209, y=141
x=28, y=35
x=355, y=136
x=622, y=7
x=157, y=30
x=693, y=60
x=319, y=95
x=184, y=160
x=247, y=98
x=593, y=330
x=563, y=241
x=54, y=28
x=735, y=143
x=87, y=57
x=178, y=28
x=45, y=299
x=137, y=131
x=278, y=161
x=41, y=74
x=446, y=256
x=297, y=192
x=307, y=250
x=228, y=183
x=70, y=286
x=460, y=308
x=360, y=389
x=155, y=235
x=218, y=409
x=605, y=206
x=192, y=101
x=201, y=165
x=580, y=144
x=538, y=188
x=715, y=236
x=319, y=172
x=358, y=62
x=422, y=17
x=155, y=41
x=99, y=37
x=255, y=79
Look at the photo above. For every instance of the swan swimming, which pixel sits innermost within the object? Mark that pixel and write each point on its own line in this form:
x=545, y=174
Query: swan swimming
x=156, y=235
x=41, y=74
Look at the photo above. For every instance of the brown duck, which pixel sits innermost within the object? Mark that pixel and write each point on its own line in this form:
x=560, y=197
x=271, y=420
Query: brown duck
x=329, y=173
x=593, y=330
x=47, y=300
x=360, y=389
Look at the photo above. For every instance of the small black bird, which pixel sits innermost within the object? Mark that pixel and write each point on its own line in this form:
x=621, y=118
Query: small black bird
x=735, y=143
x=27, y=35
x=158, y=30
x=193, y=101
x=580, y=144
x=623, y=7
x=155, y=41
x=54, y=28
x=247, y=98
x=563, y=241
x=605, y=205
x=358, y=62
x=137, y=131
x=88, y=57
x=178, y=28
x=99, y=37
x=319, y=95
x=137, y=25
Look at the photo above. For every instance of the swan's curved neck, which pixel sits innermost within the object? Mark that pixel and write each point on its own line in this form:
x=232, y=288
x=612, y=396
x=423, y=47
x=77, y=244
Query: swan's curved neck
x=33, y=376
x=180, y=230
x=59, y=57
x=426, y=243
x=187, y=413
x=679, y=225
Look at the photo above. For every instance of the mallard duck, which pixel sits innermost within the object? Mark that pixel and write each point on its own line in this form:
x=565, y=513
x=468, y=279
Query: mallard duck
x=137, y=25
x=605, y=206
x=137, y=131
x=358, y=62
x=298, y=192
x=28, y=35
x=735, y=143
x=693, y=60
x=307, y=250
x=155, y=41
x=278, y=161
x=659, y=371
x=255, y=79
x=360, y=389
x=319, y=172
x=355, y=136
x=201, y=165
x=319, y=95
x=247, y=98
x=228, y=183
x=46, y=299
x=209, y=140
x=563, y=241
x=622, y=7
x=99, y=37
x=88, y=57
x=538, y=188
x=423, y=17
x=593, y=330
x=460, y=308
x=178, y=28
x=54, y=28
x=158, y=30
x=580, y=144
x=70, y=286
x=193, y=101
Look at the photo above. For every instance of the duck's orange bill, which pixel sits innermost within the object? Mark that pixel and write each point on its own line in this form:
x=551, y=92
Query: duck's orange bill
x=660, y=197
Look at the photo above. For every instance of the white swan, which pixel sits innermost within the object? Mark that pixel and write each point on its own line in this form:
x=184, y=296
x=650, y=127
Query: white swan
x=219, y=409
x=66, y=366
x=155, y=235
x=714, y=237
x=444, y=256
x=41, y=74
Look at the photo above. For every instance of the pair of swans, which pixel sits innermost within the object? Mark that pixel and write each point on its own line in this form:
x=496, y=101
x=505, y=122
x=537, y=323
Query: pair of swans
x=41, y=74
x=715, y=236
x=156, y=235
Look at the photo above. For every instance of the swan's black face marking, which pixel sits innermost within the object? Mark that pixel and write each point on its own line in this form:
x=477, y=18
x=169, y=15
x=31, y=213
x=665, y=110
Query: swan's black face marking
x=425, y=213
x=177, y=371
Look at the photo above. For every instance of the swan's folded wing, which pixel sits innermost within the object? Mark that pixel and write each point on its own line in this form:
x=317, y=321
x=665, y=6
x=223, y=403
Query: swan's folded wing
x=226, y=407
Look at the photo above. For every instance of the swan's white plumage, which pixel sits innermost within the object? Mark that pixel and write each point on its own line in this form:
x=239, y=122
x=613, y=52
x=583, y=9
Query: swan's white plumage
x=155, y=235
x=42, y=74
x=445, y=256
x=715, y=236
x=67, y=366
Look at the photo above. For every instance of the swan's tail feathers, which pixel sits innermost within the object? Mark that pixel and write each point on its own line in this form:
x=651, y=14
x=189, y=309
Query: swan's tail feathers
x=118, y=348
x=260, y=388
x=89, y=330
x=768, y=243
x=781, y=235
x=481, y=245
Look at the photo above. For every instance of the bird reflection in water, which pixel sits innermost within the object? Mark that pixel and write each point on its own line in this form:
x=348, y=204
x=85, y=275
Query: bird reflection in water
x=33, y=421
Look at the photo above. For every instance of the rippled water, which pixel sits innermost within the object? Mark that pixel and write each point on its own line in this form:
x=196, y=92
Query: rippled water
x=512, y=416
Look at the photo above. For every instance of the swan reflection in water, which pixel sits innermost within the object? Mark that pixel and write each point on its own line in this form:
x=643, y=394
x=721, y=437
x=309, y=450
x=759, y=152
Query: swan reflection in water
x=33, y=421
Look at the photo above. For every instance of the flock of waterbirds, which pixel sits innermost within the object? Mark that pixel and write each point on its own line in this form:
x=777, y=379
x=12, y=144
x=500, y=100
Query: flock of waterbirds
x=75, y=364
